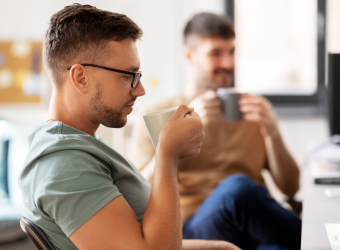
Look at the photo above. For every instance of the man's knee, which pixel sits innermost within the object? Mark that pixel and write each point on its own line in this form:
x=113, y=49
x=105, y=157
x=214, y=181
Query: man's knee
x=238, y=182
x=239, y=188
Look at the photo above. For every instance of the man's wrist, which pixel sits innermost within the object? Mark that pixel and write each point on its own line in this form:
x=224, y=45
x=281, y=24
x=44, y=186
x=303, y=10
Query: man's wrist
x=273, y=137
x=166, y=155
x=273, y=134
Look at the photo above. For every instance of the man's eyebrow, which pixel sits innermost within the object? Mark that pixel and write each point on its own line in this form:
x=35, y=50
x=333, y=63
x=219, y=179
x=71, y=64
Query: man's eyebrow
x=132, y=69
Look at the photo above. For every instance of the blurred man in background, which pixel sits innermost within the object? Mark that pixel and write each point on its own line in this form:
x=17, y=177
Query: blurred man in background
x=222, y=192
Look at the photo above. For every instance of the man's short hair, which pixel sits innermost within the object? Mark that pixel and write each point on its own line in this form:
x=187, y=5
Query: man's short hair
x=80, y=34
x=208, y=25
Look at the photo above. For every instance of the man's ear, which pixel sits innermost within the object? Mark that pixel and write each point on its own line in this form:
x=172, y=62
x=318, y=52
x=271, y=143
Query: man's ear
x=187, y=50
x=79, y=79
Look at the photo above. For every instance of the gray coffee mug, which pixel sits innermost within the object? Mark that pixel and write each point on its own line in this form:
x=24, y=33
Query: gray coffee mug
x=230, y=108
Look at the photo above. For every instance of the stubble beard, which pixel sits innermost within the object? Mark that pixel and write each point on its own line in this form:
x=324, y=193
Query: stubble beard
x=207, y=80
x=109, y=117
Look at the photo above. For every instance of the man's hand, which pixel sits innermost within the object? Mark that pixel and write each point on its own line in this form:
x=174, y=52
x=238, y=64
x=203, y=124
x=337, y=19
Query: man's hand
x=258, y=109
x=182, y=136
x=208, y=106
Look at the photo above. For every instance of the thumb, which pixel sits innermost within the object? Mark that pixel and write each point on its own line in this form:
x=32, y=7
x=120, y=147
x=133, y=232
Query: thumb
x=183, y=110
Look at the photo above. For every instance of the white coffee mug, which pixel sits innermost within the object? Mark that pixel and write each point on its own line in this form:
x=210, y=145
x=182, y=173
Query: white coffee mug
x=154, y=122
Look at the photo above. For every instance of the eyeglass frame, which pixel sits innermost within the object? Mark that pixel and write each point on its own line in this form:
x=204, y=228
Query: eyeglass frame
x=116, y=70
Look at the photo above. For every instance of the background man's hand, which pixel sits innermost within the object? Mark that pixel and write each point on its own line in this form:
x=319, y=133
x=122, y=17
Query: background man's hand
x=258, y=109
x=208, y=106
x=182, y=136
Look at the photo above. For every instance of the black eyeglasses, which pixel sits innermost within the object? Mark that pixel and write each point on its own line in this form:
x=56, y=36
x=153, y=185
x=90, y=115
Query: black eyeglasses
x=136, y=76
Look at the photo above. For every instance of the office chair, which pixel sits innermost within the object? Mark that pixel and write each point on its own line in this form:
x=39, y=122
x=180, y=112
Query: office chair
x=36, y=234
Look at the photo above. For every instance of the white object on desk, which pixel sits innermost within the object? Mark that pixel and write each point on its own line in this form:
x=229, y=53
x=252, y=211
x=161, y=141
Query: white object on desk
x=325, y=169
x=333, y=233
x=332, y=193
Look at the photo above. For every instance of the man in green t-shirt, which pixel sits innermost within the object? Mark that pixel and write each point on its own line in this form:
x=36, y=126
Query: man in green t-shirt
x=79, y=191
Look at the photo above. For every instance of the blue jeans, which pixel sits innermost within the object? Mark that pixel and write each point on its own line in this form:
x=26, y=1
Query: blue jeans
x=242, y=212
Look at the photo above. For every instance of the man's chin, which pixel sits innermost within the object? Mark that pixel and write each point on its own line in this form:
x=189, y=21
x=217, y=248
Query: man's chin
x=223, y=81
x=122, y=123
x=223, y=84
x=116, y=123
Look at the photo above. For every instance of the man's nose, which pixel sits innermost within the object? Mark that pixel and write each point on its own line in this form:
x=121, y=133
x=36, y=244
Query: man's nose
x=139, y=91
x=227, y=62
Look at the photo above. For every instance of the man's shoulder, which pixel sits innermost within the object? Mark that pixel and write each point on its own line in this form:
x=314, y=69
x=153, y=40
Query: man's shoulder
x=60, y=146
x=57, y=153
x=56, y=136
x=170, y=102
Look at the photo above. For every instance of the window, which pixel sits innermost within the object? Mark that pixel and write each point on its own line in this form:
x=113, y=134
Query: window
x=333, y=26
x=280, y=49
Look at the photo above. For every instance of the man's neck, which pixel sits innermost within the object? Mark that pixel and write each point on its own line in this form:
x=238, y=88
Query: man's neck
x=61, y=110
x=194, y=89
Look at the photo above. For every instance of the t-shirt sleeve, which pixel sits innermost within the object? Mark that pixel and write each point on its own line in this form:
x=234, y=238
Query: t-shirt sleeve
x=73, y=188
x=142, y=148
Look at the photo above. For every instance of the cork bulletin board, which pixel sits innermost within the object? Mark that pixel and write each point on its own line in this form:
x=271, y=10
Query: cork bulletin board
x=20, y=71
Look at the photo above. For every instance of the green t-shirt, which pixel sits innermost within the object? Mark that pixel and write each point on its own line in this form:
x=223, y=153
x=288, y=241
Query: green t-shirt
x=69, y=176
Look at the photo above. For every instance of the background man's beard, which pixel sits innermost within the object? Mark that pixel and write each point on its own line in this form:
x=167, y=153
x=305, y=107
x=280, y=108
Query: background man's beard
x=109, y=117
x=225, y=83
x=228, y=71
x=207, y=80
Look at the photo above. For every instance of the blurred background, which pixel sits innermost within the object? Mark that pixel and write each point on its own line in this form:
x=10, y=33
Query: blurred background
x=281, y=52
